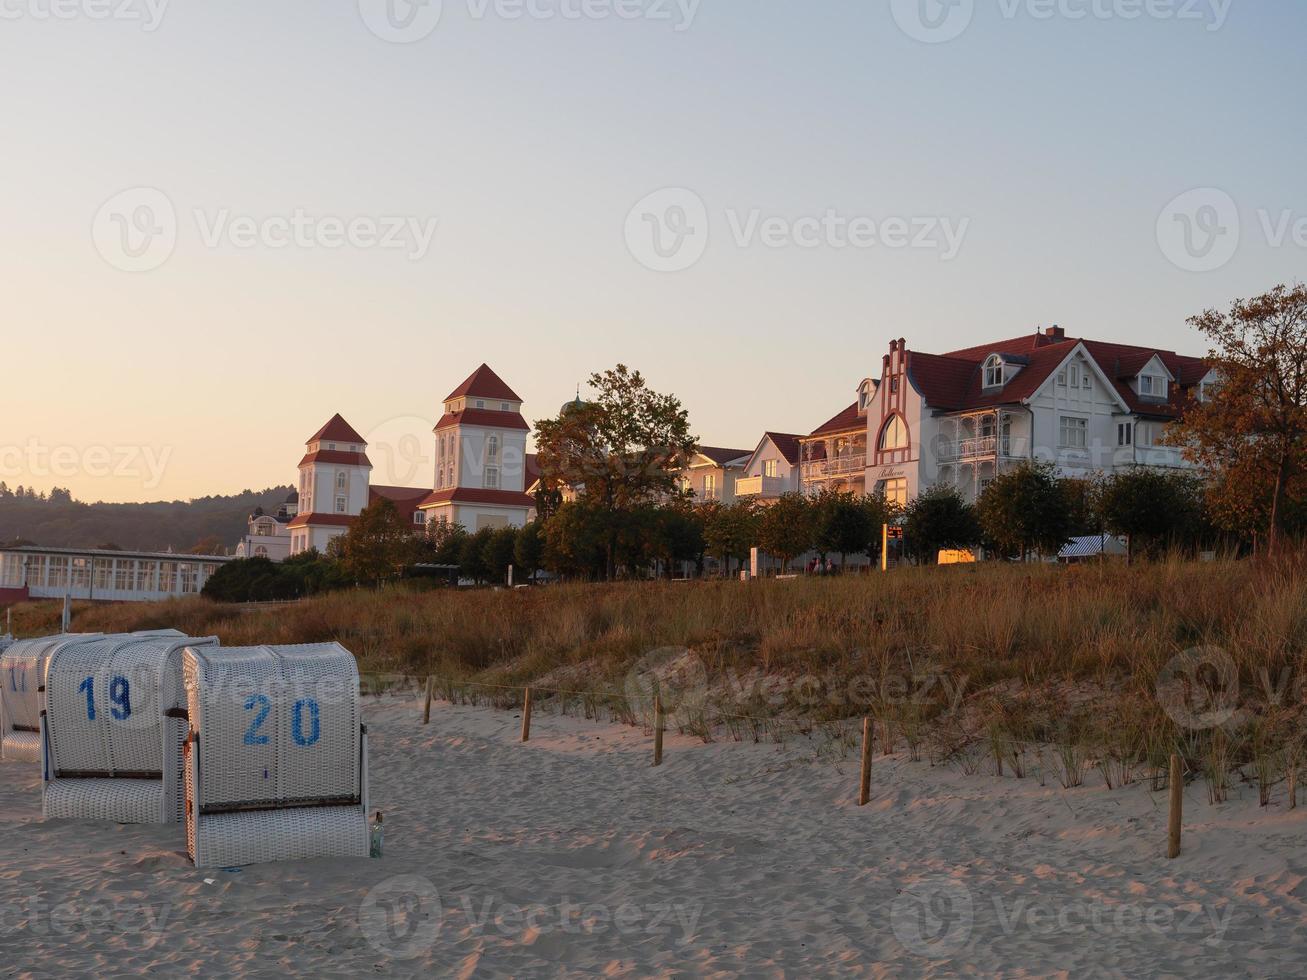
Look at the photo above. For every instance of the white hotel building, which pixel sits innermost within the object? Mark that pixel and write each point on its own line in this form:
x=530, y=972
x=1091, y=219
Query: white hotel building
x=1084, y=406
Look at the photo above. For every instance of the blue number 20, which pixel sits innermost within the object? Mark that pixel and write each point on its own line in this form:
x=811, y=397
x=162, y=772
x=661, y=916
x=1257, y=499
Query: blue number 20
x=252, y=736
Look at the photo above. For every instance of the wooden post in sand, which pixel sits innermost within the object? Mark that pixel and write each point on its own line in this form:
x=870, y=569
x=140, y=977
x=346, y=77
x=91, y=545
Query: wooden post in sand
x=864, y=785
x=658, y=730
x=1177, y=808
x=526, y=716
x=426, y=711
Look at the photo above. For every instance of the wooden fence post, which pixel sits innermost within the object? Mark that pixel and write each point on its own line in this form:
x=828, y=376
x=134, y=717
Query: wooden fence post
x=658, y=730
x=864, y=785
x=526, y=716
x=1177, y=808
x=426, y=711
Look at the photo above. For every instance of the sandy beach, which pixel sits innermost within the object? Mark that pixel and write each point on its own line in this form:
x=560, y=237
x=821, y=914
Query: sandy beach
x=571, y=856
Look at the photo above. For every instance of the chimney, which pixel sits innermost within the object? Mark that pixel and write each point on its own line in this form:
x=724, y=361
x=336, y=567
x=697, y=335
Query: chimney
x=893, y=345
x=1055, y=333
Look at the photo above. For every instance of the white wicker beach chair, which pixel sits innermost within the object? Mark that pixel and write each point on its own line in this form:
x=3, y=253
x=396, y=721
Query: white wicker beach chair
x=276, y=765
x=22, y=681
x=113, y=728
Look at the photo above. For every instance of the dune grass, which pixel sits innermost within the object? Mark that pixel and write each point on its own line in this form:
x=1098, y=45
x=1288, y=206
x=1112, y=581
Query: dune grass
x=1037, y=669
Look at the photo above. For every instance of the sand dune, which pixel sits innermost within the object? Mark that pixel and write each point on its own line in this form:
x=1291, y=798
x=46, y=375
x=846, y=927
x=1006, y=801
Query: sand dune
x=571, y=856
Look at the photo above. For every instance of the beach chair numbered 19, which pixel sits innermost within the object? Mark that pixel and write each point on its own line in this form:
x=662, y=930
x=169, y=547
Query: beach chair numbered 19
x=113, y=728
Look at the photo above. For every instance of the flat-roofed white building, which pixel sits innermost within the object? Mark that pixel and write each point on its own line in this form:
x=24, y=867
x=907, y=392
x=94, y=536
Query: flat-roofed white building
x=31, y=572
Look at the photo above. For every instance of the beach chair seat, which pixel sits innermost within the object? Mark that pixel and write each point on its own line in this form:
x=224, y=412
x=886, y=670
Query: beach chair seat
x=276, y=764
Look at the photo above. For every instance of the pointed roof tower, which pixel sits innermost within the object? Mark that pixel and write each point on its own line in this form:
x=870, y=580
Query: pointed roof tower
x=484, y=383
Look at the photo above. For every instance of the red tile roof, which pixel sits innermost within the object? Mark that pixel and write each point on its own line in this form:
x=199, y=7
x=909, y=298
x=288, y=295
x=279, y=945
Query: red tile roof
x=336, y=456
x=336, y=430
x=473, y=495
x=486, y=417
x=788, y=445
x=321, y=520
x=484, y=383
x=846, y=421
x=406, y=499
x=952, y=382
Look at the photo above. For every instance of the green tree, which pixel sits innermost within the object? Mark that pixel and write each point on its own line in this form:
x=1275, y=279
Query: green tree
x=474, y=555
x=1024, y=509
x=622, y=449
x=786, y=528
x=1250, y=430
x=576, y=539
x=528, y=550
x=729, y=531
x=501, y=547
x=378, y=546
x=939, y=519
x=1153, y=508
x=843, y=524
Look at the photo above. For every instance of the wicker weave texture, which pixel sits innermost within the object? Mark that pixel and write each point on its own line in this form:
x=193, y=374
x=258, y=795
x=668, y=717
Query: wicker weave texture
x=234, y=839
x=22, y=674
x=119, y=800
x=106, y=700
x=276, y=724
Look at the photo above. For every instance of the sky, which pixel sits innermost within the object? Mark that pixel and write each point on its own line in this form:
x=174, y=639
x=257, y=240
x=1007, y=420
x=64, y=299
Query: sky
x=224, y=222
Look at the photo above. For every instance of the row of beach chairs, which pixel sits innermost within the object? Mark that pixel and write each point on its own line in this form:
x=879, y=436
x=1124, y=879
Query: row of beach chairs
x=260, y=752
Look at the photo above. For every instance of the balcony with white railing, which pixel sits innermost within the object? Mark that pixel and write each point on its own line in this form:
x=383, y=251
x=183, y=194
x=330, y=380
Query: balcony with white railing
x=765, y=487
x=837, y=466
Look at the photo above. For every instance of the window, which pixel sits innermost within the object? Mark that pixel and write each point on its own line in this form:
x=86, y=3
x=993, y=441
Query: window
x=103, y=572
x=419, y=518
x=341, y=480
x=1152, y=386
x=894, y=491
x=480, y=403
x=770, y=467
x=710, y=486
x=58, y=572
x=1073, y=375
x=167, y=576
x=81, y=573
x=491, y=481
x=1084, y=380
x=492, y=450
x=1073, y=433
x=122, y=576
x=145, y=575
x=505, y=406
x=188, y=576
x=36, y=571
x=1125, y=433
x=341, y=504
x=994, y=372
x=260, y=552
x=894, y=434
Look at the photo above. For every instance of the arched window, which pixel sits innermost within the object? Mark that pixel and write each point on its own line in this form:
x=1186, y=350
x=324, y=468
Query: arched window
x=994, y=372
x=340, y=480
x=894, y=434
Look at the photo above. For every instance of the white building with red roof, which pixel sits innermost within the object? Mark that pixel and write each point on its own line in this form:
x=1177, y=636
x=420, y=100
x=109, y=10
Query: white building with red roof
x=481, y=459
x=481, y=470
x=1084, y=406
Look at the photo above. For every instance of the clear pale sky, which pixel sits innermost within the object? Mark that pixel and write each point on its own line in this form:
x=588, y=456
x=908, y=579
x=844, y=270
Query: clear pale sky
x=1060, y=140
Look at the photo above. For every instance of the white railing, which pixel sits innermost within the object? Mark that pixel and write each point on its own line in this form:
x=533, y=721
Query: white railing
x=980, y=448
x=759, y=486
x=819, y=469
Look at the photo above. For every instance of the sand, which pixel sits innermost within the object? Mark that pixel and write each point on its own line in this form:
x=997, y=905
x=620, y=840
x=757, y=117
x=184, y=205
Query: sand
x=571, y=856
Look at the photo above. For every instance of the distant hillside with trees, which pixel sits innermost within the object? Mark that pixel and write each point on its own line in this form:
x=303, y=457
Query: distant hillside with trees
x=209, y=525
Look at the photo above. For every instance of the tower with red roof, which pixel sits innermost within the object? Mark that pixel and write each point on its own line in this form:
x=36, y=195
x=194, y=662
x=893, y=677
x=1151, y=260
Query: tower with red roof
x=333, y=485
x=480, y=456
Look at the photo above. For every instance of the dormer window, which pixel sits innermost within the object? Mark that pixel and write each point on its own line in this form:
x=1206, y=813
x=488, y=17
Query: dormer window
x=994, y=372
x=480, y=403
x=505, y=407
x=1152, y=386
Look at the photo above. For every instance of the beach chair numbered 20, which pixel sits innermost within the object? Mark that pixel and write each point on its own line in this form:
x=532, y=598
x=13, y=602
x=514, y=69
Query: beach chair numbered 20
x=276, y=764
x=113, y=728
